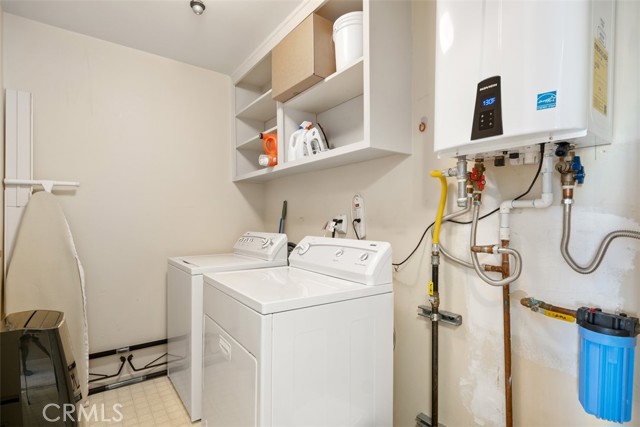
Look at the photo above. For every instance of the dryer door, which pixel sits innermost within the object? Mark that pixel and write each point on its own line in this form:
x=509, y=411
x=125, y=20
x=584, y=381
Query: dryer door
x=230, y=380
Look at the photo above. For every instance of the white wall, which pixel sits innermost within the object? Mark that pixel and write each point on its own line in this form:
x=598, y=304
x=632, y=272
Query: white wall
x=401, y=199
x=148, y=139
x=1, y=159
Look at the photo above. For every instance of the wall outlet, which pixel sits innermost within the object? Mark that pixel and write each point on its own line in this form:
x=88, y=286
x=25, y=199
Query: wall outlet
x=357, y=212
x=341, y=228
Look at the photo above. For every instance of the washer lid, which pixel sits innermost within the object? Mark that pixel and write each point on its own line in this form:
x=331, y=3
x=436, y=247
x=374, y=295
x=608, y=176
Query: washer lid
x=200, y=264
x=279, y=289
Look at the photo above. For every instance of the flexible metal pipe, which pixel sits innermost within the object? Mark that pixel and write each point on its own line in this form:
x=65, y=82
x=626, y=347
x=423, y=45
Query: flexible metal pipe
x=602, y=250
x=454, y=259
x=449, y=217
x=474, y=256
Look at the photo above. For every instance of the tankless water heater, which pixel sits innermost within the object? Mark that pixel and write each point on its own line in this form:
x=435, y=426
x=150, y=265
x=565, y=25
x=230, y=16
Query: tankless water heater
x=511, y=73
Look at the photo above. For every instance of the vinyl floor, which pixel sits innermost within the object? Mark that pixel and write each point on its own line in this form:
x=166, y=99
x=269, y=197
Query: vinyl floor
x=152, y=403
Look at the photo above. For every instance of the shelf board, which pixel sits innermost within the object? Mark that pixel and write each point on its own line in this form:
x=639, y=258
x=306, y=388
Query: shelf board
x=337, y=88
x=255, y=141
x=348, y=154
x=259, y=75
x=262, y=109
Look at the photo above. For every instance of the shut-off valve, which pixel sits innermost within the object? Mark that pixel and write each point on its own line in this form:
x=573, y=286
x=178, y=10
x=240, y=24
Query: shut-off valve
x=571, y=170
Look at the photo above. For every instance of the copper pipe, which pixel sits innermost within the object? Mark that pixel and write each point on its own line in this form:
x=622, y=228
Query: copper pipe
x=487, y=249
x=493, y=268
x=506, y=325
x=567, y=193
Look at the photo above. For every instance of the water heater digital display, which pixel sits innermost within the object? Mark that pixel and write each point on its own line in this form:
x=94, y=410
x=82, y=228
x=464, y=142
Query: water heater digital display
x=487, y=116
x=488, y=101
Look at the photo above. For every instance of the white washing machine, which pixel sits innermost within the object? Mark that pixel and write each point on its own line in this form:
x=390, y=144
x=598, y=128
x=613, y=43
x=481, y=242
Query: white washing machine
x=310, y=344
x=253, y=250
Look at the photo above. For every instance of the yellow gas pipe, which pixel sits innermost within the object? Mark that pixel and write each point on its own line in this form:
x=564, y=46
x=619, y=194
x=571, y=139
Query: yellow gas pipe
x=441, y=206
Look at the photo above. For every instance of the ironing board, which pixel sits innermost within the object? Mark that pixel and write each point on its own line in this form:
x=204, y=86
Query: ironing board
x=45, y=273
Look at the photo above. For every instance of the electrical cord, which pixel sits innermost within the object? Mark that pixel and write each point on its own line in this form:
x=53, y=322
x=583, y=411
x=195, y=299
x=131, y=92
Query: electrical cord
x=355, y=229
x=396, y=266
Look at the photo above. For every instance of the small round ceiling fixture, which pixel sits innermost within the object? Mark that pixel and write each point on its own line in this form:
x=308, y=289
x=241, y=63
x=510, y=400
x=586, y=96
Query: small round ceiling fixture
x=197, y=6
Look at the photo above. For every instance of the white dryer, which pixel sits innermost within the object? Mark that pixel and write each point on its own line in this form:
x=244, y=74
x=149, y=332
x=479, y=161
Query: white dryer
x=310, y=344
x=184, y=306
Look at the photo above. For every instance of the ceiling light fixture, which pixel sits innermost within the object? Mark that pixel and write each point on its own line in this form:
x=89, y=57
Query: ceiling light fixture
x=197, y=6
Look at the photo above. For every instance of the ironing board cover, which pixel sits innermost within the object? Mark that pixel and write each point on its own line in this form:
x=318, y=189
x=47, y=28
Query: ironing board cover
x=45, y=273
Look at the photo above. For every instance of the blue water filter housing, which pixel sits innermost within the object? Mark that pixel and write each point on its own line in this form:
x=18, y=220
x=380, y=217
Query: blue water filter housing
x=607, y=350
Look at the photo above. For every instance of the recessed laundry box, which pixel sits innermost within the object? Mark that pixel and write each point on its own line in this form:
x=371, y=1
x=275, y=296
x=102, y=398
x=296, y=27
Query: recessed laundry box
x=303, y=58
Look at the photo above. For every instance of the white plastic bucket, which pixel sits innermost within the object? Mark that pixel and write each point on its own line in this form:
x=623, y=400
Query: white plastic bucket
x=347, y=36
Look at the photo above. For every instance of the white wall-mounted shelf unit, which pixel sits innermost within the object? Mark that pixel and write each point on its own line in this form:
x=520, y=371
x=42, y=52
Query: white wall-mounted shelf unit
x=364, y=110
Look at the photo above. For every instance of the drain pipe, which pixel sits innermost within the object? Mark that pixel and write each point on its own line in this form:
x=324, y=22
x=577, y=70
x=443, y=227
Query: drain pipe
x=545, y=200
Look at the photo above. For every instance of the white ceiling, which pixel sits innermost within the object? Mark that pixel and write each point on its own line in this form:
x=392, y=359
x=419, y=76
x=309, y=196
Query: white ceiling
x=220, y=39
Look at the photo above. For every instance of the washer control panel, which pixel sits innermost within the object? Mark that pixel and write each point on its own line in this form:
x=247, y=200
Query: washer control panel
x=361, y=261
x=267, y=246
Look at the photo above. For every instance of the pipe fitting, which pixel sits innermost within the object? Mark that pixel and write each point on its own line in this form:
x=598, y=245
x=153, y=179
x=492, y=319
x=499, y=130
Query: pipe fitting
x=477, y=175
x=567, y=192
x=435, y=301
x=461, y=176
x=570, y=169
x=486, y=249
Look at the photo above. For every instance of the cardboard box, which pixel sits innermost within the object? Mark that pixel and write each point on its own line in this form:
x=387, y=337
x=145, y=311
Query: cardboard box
x=303, y=58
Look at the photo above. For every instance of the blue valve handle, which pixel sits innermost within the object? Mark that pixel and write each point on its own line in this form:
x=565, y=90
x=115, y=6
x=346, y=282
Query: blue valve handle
x=578, y=170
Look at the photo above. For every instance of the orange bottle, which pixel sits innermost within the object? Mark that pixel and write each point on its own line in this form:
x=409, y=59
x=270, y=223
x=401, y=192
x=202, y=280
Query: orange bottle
x=270, y=146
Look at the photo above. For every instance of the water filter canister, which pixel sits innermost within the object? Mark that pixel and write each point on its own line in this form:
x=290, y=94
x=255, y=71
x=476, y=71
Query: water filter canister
x=607, y=350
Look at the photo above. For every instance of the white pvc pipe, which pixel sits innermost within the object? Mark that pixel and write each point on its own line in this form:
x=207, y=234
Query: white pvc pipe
x=545, y=200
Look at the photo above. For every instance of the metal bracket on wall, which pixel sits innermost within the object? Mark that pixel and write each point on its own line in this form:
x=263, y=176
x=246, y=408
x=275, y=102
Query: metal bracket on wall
x=445, y=316
x=423, y=420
